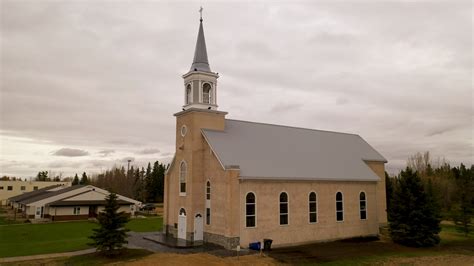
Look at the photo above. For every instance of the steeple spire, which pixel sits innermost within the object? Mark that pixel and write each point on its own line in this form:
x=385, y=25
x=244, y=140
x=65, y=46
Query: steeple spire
x=200, y=61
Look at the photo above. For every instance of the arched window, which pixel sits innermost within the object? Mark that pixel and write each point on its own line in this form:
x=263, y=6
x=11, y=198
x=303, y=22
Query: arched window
x=182, y=178
x=188, y=94
x=339, y=207
x=208, y=203
x=182, y=212
x=250, y=210
x=313, y=209
x=363, y=206
x=206, y=93
x=283, y=208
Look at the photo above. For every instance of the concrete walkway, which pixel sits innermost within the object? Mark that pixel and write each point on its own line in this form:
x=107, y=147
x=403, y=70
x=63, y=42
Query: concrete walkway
x=47, y=256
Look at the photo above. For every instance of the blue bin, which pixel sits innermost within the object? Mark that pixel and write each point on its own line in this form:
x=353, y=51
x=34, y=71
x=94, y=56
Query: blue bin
x=255, y=246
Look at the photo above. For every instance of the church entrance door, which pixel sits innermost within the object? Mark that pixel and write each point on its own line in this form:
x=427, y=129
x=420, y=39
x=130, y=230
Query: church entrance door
x=182, y=224
x=198, y=228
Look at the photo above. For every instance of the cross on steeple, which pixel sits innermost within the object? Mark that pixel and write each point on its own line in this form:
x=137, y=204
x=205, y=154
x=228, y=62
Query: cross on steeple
x=200, y=11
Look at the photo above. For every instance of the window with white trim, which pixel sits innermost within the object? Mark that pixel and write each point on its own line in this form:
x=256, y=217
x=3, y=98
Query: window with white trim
x=363, y=206
x=339, y=207
x=283, y=208
x=250, y=210
x=77, y=210
x=313, y=208
x=208, y=216
x=206, y=93
x=208, y=203
x=182, y=178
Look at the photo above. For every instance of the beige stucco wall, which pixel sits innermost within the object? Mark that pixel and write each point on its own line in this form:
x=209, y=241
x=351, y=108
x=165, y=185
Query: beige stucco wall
x=379, y=169
x=228, y=196
x=190, y=148
x=299, y=230
x=69, y=210
x=28, y=187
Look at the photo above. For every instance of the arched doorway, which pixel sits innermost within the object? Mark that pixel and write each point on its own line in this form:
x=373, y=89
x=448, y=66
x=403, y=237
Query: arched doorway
x=182, y=224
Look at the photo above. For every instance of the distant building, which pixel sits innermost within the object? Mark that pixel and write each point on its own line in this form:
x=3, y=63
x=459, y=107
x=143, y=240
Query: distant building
x=58, y=203
x=235, y=182
x=9, y=189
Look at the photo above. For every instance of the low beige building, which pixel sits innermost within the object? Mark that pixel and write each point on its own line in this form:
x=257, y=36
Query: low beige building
x=78, y=202
x=10, y=189
x=235, y=182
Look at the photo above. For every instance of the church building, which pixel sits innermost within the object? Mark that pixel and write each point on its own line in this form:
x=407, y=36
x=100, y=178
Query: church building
x=235, y=182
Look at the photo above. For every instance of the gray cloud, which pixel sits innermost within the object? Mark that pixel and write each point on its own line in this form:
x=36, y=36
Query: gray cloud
x=68, y=152
x=106, y=152
x=148, y=151
x=109, y=77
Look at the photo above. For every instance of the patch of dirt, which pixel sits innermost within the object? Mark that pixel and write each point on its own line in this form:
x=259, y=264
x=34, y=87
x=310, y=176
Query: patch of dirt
x=202, y=259
x=458, y=260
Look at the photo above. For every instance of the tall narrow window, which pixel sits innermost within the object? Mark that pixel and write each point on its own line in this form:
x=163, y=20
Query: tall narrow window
x=250, y=210
x=182, y=178
x=208, y=203
x=208, y=216
x=283, y=208
x=339, y=207
x=313, y=211
x=206, y=93
x=188, y=94
x=363, y=206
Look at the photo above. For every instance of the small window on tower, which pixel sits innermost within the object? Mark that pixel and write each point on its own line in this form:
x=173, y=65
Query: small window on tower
x=188, y=94
x=184, y=130
x=206, y=93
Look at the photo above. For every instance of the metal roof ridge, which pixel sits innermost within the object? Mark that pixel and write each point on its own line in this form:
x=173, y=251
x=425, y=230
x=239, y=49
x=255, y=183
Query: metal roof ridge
x=294, y=127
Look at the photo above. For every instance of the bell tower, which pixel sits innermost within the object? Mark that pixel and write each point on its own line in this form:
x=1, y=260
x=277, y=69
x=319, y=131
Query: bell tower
x=200, y=83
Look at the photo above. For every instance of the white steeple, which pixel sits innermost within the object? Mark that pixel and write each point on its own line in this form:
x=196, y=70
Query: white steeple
x=200, y=83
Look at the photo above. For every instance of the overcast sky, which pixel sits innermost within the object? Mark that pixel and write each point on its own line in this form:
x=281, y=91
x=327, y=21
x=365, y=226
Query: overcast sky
x=89, y=84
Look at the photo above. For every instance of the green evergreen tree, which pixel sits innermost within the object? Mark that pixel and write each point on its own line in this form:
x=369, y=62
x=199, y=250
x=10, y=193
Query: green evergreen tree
x=84, y=179
x=414, y=215
x=388, y=192
x=111, y=234
x=75, y=181
x=148, y=184
x=463, y=209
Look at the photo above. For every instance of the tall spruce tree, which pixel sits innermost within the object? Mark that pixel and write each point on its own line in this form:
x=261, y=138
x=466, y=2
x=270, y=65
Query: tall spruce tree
x=111, y=234
x=414, y=216
x=84, y=180
x=463, y=209
x=75, y=181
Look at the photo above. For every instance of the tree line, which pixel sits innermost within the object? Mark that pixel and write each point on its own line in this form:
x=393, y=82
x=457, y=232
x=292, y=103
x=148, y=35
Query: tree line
x=423, y=194
x=143, y=184
x=146, y=185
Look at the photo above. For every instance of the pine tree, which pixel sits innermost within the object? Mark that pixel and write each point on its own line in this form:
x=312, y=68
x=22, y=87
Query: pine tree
x=148, y=184
x=111, y=234
x=463, y=209
x=84, y=179
x=75, y=181
x=414, y=214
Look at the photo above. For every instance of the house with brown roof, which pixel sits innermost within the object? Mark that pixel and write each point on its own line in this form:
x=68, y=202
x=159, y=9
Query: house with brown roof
x=235, y=182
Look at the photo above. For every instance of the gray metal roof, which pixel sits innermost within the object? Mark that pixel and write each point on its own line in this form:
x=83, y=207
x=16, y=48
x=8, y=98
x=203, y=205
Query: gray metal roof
x=265, y=151
x=86, y=202
x=50, y=194
x=31, y=194
x=200, y=61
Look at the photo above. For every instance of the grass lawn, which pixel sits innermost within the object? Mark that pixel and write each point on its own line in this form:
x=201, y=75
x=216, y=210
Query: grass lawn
x=32, y=239
x=149, y=224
